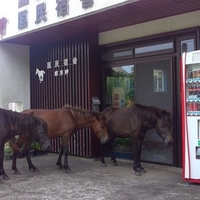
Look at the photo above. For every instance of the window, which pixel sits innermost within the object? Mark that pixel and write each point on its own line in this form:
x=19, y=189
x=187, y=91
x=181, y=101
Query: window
x=159, y=80
x=187, y=45
x=154, y=49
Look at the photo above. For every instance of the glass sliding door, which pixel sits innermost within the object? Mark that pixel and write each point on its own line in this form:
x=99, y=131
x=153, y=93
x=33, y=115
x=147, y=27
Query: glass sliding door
x=154, y=88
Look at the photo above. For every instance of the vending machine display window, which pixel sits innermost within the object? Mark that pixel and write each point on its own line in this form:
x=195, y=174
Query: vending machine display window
x=197, y=152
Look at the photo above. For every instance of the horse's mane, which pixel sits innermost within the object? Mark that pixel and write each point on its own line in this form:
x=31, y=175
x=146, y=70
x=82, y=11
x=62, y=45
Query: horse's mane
x=152, y=112
x=78, y=113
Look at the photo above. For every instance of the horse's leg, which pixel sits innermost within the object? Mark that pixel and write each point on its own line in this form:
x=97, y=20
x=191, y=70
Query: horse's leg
x=27, y=148
x=14, y=162
x=59, y=161
x=137, y=153
x=2, y=172
x=103, y=163
x=66, y=166
x=65, y=140
x=108, y=146
x=110, y=150
x=113, y=158
x=15, y=154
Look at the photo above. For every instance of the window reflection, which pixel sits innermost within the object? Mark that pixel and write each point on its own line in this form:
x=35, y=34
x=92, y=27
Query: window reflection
x=159, y=80
x=120, y=86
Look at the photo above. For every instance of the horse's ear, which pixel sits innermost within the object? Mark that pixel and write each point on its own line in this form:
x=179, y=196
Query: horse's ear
x=167, y=116
x=101, y=116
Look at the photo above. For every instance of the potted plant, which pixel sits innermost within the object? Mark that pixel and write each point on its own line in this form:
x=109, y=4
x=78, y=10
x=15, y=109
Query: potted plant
x=7, y=151
x=35, y=149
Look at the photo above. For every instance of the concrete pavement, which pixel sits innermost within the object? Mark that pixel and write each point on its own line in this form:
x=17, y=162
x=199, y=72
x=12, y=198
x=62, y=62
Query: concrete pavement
x=90, y=181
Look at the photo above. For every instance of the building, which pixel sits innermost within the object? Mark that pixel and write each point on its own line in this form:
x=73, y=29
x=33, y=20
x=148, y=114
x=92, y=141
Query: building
x=123, y=51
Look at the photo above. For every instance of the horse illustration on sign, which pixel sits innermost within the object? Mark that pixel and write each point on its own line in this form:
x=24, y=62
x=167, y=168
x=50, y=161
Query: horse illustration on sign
x=40, y=74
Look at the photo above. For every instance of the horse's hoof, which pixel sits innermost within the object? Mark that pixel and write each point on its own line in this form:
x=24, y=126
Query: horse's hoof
x=104, y=165
x=36, y=170
x=137, y=173
x=60, y=167
x=114, y=164
x=68, y=171
x=142, y=171
x=16, y=173
x=5, y=177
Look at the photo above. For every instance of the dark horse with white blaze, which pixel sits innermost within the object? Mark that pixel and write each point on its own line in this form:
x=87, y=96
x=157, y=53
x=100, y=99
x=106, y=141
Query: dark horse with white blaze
x=13, y=123
x=134, y=122
x=64, y=122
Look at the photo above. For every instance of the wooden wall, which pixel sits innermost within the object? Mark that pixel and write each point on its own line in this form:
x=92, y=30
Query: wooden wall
x=75, y=89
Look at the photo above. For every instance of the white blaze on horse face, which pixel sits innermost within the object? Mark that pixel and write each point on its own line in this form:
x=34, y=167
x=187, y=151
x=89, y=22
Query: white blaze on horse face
x=40, y=74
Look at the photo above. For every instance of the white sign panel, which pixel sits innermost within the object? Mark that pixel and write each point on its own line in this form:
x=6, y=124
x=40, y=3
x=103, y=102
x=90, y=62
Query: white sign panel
x=29, y=15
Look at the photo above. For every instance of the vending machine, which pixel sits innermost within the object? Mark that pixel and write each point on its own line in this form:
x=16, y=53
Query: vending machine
x=190, y=100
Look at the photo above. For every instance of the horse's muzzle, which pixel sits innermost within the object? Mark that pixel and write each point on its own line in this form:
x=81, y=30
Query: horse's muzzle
x=104, y=140
x=46, y=147
x=168, y=143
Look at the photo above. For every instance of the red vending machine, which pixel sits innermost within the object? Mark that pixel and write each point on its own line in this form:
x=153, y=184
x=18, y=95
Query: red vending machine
x=190, y=96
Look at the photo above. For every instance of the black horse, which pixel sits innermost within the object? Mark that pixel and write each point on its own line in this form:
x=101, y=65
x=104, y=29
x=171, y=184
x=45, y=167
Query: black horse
x=134, y=122
x=13, y=123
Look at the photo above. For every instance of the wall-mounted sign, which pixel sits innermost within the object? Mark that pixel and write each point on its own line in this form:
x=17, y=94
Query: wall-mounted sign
x=40, y=74
x=3, y=23
x=62, y=7
x=40, y=13
x=22, y=20
x=22, y=3
x=61, y=66
x=87, y=3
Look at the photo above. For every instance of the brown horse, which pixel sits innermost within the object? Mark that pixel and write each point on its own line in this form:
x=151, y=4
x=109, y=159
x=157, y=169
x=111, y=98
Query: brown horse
x=13, y=123
x=64, y=122
x=134, y=122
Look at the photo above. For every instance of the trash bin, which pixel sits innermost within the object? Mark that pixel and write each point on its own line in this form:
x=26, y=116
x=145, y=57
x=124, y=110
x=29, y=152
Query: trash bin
x=15, y=106
x=95, y=103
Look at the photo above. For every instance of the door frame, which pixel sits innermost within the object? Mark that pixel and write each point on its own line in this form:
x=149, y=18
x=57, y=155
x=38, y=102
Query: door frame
x=176, y=37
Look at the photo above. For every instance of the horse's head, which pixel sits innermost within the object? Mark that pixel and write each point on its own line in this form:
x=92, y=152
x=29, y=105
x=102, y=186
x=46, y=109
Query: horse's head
x=40, y=133
x=99, y=127
x=163, y=127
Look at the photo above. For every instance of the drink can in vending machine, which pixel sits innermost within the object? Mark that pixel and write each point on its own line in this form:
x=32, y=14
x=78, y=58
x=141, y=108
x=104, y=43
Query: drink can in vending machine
x=194, y=91
x=190, y=74
x=198, y=74
x=190, y=107
x=195, y=108
x=194, y=74
x=190, y=93
x=198, y=109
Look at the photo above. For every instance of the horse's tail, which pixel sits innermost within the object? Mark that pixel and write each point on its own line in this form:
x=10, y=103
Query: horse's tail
x=13, y=144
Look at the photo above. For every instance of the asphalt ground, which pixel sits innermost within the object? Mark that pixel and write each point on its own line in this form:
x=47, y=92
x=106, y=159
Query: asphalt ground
x=91, y=181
